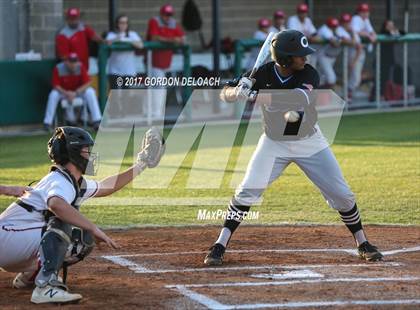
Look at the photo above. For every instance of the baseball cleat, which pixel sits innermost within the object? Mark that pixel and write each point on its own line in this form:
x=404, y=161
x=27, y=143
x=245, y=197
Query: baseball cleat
x=215, y=257
x=369, y=252
x=52, y=294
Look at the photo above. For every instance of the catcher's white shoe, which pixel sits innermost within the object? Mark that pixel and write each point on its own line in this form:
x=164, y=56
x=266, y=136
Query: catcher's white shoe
x=51, y=294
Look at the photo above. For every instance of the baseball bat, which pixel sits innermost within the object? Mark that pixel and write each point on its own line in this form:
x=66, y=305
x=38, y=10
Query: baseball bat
x=263, y=54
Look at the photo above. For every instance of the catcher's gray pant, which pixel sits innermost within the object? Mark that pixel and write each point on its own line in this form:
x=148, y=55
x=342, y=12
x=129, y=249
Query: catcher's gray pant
x=20, y=236
x=272, y=157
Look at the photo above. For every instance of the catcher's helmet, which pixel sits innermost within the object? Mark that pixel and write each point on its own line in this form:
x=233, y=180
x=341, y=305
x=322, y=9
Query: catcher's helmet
x=65, y=146
x=288, y=43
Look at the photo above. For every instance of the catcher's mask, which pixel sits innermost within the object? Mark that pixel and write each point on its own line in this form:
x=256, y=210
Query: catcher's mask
x=289, y=43
x=67, y=145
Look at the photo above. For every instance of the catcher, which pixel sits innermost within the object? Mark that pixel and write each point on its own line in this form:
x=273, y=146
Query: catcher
x=43, y=231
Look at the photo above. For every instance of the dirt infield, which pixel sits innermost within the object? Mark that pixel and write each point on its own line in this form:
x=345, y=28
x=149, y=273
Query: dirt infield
x=270, y=266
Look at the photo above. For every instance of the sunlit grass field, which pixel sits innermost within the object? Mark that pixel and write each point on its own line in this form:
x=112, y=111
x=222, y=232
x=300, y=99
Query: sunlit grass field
x=378, y=153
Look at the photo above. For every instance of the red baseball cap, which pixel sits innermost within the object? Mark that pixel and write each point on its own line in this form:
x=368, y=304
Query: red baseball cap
x=264, y=23
x=332, y=22
x=73, y=13
x=167, y=10
x=73, y=57
x=345, y=18
x=363, y=7
x=302, y=8
x=279, y=14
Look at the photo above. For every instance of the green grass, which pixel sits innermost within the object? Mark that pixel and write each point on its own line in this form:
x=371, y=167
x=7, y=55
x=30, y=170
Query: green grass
x=378, y=153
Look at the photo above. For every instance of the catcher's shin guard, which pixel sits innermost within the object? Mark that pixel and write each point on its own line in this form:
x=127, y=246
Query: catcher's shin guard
x=82, y=244
x=54, y=244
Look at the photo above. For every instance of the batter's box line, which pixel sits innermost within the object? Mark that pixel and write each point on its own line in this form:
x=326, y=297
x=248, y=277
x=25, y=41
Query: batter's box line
x=214, y=304
x=123, y=261
x=320, y=250
x=137, y=268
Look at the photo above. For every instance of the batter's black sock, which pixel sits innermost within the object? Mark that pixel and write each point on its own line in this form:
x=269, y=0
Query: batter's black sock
x=353, y=222
x=236, y=213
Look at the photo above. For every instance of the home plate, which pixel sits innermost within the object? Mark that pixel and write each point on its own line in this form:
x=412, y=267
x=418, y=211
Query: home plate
x=293, y=274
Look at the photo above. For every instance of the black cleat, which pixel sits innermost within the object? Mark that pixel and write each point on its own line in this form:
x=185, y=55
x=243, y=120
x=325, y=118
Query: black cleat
x=369, y=252
x=215, y=257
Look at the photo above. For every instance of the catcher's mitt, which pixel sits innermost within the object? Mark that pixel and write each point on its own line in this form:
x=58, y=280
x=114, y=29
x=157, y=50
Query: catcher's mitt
x=152, y=148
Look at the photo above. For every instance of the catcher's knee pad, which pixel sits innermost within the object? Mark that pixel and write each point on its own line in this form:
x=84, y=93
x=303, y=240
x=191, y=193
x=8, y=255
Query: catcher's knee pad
x=82, y=244
x=53, y=248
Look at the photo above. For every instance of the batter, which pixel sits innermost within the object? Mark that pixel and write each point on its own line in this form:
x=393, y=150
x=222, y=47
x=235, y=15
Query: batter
x=299, y=141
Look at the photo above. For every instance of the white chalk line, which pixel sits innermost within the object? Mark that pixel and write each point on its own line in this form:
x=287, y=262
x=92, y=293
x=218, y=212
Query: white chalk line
x=349, y=251
x=127, y=263
x=214, y=304
x=141, y=269
x=302, y=281
x=403, y=250
x=320, y=250
x=327, y=304
x=201, y=299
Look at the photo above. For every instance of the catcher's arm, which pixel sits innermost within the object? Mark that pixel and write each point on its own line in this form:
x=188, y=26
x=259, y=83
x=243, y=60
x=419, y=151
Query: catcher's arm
x=114, y=183
x=16, y=191
x=152, y=149
x=70, y=215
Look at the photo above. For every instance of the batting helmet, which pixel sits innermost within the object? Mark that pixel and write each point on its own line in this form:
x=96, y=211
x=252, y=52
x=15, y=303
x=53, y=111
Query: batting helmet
x=73, y=13
x=302, y=8
x=167, y=10
x=288, y=43
x=66, y=145
x=363, y=7
x=279, y=14
x=345, y=18
x=264, y=23
x=332, y=22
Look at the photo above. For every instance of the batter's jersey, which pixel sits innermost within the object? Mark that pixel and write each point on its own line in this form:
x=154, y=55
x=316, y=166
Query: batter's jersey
x=301, y=84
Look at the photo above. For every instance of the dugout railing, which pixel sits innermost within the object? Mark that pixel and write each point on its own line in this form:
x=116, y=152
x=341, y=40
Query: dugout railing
x=241, y=46
x=105, y=50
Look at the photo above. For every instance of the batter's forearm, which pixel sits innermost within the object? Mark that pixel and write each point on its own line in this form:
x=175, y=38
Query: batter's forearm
x=116, y=182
